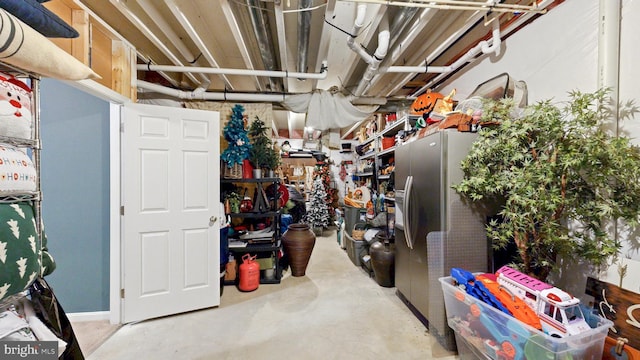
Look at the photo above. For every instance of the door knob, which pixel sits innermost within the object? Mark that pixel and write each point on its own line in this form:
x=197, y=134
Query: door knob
x=213, y=219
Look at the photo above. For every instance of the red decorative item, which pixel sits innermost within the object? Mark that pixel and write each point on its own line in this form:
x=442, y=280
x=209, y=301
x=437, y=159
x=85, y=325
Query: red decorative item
x=247, y=169
x=249, y=273
x=246, y=205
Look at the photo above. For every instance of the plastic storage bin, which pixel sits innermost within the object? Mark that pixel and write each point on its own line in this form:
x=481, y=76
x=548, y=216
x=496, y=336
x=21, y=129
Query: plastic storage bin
x=355, y=249
x=352, y=215
x=483, y=332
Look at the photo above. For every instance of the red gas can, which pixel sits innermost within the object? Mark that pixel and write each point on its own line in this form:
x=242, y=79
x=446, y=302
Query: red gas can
x=249, y=273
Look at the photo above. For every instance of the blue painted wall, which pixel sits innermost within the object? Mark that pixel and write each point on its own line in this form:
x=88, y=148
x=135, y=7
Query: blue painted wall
x=75, y=186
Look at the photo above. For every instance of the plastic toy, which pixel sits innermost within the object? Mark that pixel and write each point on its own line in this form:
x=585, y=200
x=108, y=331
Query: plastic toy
x=559, y=312
x=477, y=289
x=518, y=308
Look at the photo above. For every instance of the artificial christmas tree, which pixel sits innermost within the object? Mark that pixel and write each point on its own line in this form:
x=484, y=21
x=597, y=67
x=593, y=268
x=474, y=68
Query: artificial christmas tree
x=318, y=214
x=239, y=145
x=323, y=172
x=262, y=154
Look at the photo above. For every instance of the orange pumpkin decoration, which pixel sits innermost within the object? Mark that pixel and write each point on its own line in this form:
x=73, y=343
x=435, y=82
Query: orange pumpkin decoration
x=424, y=103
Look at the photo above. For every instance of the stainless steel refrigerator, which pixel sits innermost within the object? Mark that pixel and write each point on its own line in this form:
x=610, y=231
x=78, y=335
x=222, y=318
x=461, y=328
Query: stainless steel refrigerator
x=436, y=229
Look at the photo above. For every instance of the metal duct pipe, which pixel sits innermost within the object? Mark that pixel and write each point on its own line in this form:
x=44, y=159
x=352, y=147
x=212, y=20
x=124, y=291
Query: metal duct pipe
x=304, y=26
x=260, y=25
x=400, y=22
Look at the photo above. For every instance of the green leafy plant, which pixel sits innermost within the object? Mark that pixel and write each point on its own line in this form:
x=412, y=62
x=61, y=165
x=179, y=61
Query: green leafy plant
x=262, y=154
x=561, y=179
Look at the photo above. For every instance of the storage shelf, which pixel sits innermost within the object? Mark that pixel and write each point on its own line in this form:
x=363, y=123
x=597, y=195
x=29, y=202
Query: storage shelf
x=20, y=142
x=254, y=215
x=387, y=151
x=383, y=177
x=368, y=155
x=394, y=128
x=17, y=197
x=256, y=248
x=368, y=141
x=271, y=245
x=364, y=174
x=252, y=180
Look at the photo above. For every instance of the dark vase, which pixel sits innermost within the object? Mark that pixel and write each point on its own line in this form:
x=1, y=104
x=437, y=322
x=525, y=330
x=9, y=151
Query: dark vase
x=383, y=263
x=298, y=242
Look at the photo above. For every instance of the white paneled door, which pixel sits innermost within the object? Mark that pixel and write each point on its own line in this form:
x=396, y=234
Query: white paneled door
x=171, y=200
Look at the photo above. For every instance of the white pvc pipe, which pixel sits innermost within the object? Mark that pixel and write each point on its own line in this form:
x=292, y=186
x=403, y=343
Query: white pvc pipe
x=485, y=47
x=609, y=53
x=158, y=19
x=119, y=4
x=416, y=69
x=357, y=25
x=202, y=95
x=521, y=20
x=458, y=5
x=375, y=60
x=195, y=37
x=207, y=70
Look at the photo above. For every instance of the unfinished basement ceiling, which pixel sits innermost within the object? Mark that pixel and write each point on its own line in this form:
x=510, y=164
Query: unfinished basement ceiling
x=303, y=36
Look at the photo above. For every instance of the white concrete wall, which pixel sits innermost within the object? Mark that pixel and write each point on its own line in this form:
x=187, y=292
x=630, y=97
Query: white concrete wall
x=558, y=53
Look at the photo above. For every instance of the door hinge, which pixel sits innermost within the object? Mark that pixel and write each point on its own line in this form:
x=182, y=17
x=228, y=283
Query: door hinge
x=122, y=210
x=121, y=293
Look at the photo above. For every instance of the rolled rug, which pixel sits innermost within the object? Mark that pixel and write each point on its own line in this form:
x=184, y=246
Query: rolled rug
x=27, y=49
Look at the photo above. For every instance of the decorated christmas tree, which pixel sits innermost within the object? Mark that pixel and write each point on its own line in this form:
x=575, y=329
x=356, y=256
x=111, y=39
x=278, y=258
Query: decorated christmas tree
x=318, y=214
x=323, y=171
x=236, y=135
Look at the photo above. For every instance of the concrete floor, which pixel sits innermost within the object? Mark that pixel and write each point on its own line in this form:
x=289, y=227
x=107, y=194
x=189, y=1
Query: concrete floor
x=336, y=311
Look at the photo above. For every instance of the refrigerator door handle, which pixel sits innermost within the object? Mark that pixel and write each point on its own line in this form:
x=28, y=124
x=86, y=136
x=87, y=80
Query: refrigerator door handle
x=405, y=210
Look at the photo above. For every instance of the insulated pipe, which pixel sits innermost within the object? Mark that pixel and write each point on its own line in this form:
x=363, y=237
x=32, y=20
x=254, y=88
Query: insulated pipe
x=206, y=70
x=260, y=24
x=304, y=25
x=375, y=60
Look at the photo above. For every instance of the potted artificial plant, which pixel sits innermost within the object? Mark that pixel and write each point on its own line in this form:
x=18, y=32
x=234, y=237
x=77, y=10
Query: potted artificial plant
x=262, y=152
x=562, y=180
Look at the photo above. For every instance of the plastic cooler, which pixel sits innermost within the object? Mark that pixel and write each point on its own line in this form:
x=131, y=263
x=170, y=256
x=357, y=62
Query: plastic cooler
x=483, y=332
